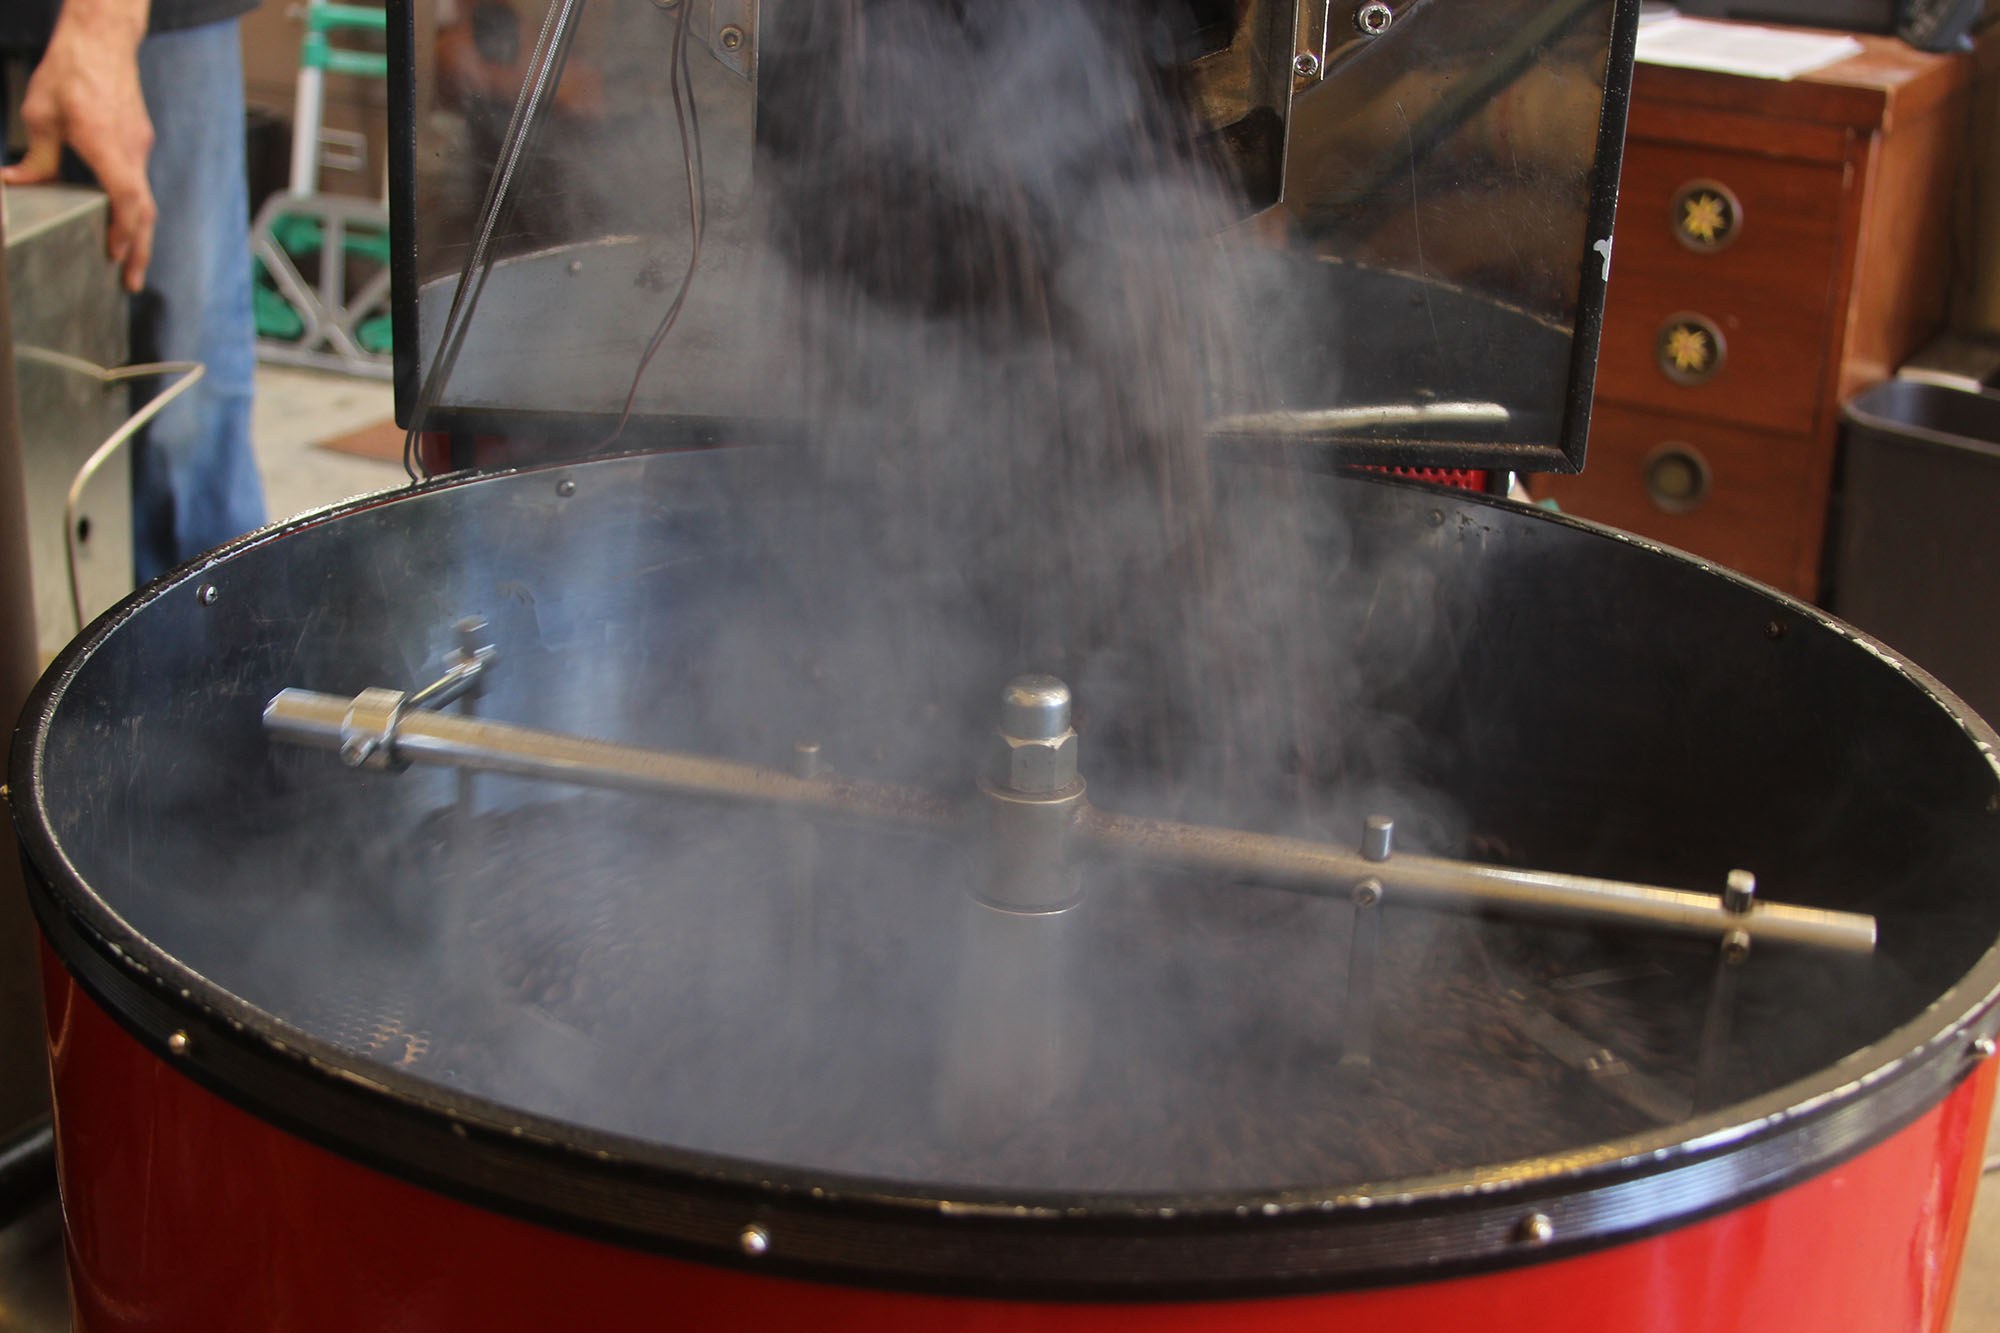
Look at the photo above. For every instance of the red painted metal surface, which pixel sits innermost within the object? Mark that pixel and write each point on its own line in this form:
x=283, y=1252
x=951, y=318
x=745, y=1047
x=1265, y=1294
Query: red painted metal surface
x=1451, y=478
x=185, y=1213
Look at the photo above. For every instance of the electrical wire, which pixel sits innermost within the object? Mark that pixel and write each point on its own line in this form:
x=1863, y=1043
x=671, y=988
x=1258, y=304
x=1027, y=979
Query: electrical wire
x=187, y=375
x=552, y=52
x=688, y=122
x=544, y=75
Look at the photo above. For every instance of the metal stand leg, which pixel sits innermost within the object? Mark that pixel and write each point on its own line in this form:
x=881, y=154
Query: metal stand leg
x=1363, y=951
x=801, y=841
x=472, y=636
x=1364, y=948
x=1717, y=1025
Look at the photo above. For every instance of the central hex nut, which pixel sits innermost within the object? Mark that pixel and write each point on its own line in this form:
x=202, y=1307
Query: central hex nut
x=1039, y=767
x=1034, y=747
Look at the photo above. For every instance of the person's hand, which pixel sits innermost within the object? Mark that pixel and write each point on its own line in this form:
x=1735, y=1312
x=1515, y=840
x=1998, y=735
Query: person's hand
x=85, y=93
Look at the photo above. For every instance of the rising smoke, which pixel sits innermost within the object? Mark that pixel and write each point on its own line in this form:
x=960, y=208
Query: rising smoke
x=1000, y=243
x=1012, y=310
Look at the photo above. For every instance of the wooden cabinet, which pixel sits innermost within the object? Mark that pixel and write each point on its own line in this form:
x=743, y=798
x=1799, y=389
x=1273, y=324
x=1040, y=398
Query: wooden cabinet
x=1779, y=246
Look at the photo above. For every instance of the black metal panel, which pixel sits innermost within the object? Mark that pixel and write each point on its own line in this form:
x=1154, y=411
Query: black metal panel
x=1582, y=385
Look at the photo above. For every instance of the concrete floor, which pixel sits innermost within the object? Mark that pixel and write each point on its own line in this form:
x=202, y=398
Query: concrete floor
x=296, y=410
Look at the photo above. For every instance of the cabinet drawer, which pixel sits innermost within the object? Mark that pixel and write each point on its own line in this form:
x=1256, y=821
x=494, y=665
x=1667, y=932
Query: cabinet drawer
x=1776, y=225
x=1755, y=298
x=1742, y=498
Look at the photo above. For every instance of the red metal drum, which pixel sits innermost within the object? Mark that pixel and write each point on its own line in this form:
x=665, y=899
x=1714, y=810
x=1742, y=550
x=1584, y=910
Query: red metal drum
x=238, y=1150
x=185, y=1212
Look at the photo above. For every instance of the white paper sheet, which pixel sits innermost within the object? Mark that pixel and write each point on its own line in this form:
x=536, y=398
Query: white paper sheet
x=1735, y=48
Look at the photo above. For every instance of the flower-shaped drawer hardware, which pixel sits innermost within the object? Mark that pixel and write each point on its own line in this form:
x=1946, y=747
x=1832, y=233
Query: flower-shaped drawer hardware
x=1706, y=216
x=1689, y=349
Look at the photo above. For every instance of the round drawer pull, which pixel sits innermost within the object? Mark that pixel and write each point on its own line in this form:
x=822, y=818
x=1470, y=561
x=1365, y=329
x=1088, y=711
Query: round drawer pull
x=1677, y=478
x=1706, y=215
x=1689, y=348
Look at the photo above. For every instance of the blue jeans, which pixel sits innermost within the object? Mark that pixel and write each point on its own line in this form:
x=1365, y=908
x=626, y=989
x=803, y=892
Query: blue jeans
x=194, y=476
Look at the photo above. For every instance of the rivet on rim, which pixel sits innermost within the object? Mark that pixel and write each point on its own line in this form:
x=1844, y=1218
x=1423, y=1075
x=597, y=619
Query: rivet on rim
x=206, y=594
x=754, y=1240
x=178, y=1043
x=1535, y=1229
x=1984, y=1047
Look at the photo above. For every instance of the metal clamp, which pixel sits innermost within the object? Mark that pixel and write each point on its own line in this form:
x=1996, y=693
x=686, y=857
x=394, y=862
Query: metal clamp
x=464, y=666
x=368, y=731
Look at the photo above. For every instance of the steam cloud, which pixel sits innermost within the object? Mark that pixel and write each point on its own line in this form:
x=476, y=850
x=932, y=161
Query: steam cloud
x=1009, y=309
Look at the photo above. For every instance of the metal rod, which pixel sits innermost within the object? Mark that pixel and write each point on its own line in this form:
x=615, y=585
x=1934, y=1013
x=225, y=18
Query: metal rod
x=1313, y=423
x=1423, y=881
x=465, y=672
x=307, y=718
x=324, y=721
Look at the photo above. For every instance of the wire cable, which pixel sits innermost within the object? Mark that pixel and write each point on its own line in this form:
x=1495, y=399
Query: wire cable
x=551, y=53
x=544, y=75
x=187, y=373
x=688, y=122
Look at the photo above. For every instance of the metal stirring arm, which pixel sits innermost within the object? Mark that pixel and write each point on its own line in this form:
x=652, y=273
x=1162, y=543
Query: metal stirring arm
x=379, y=729
x=1435, y=882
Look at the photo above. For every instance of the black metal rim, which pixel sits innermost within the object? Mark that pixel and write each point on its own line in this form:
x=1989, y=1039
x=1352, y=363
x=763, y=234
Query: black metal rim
x=906, y=1236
